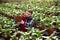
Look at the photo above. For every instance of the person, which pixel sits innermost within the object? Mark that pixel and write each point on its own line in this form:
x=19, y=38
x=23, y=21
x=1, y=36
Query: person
x=27, y=20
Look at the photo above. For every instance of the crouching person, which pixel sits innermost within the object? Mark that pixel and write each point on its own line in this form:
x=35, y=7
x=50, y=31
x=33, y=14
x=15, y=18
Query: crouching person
x=26, y=20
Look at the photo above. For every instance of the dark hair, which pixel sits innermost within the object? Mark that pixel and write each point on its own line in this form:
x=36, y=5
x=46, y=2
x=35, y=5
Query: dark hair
x=30, y=11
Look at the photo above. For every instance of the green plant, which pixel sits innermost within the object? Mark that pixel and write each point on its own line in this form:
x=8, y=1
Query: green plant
x=46, y=11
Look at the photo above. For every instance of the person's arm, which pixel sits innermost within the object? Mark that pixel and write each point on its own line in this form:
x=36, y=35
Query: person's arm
x=31, y=22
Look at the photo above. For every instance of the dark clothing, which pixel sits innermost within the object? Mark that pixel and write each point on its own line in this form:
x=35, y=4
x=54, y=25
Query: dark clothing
x=30, y=22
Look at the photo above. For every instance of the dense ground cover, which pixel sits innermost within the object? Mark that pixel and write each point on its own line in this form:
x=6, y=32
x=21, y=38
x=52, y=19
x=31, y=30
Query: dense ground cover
x=47, y=12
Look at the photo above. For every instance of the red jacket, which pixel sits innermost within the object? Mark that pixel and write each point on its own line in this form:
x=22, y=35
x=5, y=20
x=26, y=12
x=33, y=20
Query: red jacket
x=23, y=26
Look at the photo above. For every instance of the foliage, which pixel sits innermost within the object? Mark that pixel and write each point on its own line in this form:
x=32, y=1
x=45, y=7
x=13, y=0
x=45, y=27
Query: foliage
x=45, y=10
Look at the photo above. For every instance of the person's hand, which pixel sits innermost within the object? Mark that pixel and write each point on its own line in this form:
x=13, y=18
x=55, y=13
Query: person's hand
x=22, y=22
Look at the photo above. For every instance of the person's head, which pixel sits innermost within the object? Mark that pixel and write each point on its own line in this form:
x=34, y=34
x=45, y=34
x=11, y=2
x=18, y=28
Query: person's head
x=29, y=13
